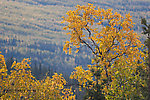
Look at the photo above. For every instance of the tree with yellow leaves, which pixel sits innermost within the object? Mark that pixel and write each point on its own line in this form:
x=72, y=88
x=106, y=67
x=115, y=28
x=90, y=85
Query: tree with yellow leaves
x=20, y=84
x=116, y=49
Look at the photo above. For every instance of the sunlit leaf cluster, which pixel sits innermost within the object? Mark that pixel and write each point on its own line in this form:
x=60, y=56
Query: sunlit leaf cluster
x=20, y=84
x=116, y=48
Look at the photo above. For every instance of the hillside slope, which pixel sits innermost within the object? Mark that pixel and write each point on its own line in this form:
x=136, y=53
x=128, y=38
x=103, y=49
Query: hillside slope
x=33, y=28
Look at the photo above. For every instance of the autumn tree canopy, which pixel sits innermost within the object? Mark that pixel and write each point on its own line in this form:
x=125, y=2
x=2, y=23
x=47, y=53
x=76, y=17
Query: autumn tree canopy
x=116, y=49
x=21, y=84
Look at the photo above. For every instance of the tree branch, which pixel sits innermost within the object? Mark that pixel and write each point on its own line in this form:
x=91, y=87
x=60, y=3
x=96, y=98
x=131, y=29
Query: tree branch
x=93, y=41
x=82, y=41
x=111, y=45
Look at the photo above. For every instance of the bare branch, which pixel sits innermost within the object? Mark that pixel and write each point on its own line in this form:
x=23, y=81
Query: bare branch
x=117, y=56
x=88, y=45
x=94, y=41
x=82, y=41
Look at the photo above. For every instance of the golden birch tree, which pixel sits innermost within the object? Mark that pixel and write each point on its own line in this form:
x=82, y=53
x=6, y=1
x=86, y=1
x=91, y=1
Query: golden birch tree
x=116, y=48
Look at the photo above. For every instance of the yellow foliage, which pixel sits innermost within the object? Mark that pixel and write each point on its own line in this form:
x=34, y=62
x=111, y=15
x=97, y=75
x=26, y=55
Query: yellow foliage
x=116, y=48
x=20, y=84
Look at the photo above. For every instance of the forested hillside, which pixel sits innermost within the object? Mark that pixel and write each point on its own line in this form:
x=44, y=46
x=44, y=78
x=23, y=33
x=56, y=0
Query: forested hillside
x=33, y=29
x=101, y=44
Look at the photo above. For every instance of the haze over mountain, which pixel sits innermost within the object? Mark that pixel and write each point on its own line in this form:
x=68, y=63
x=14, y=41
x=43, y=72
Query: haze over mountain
x=33, y=28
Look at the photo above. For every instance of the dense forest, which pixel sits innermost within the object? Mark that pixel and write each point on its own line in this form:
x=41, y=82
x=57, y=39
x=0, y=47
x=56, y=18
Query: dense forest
x=34, y=29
